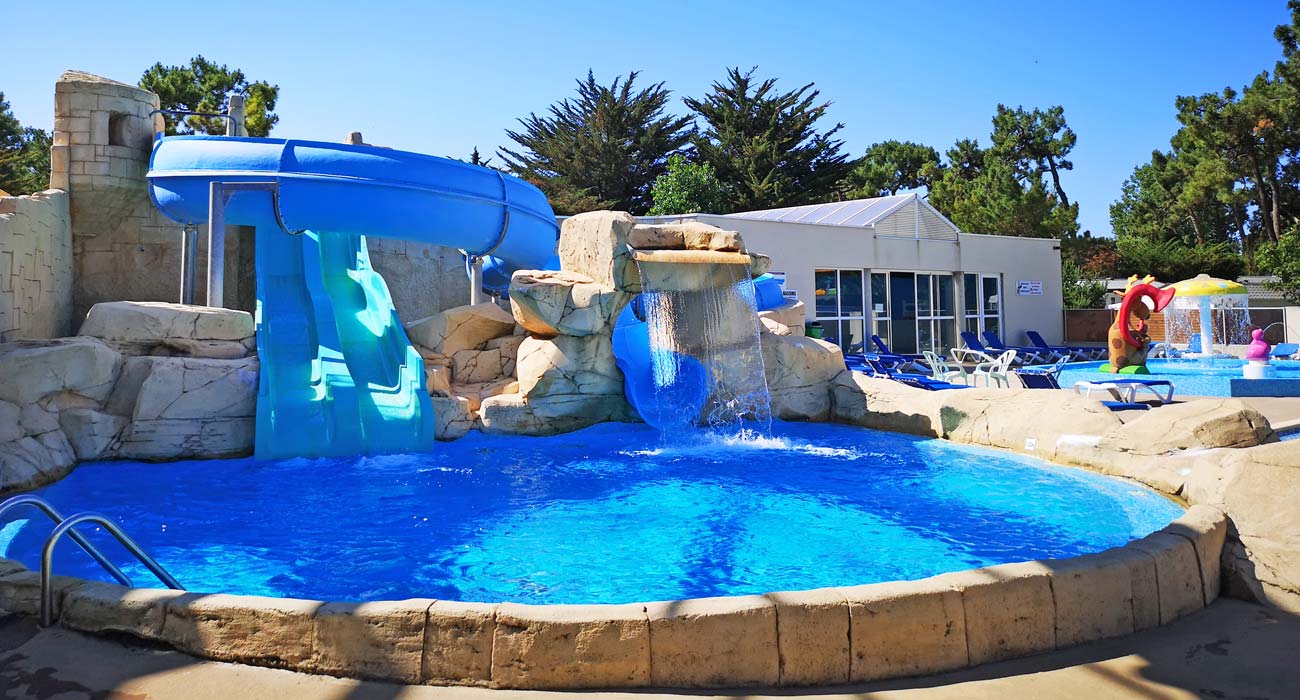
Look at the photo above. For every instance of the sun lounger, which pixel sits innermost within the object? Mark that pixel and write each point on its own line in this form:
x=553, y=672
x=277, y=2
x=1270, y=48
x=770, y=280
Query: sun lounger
x=1082, y=352
x=1126, y=389
x=1027, y=356
x=1283, y=351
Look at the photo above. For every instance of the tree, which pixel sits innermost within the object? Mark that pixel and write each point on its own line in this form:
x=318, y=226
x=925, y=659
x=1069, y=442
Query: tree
x=603, y=148
x=1036, y=141
x=204, y=86
x=765, y=145
x=1282, y=259
x=982, y=193
x=1179, y=195
x=688, y=188
x=1078, y=290
x=1172, y=260
x=24, y=154
x=889, y=167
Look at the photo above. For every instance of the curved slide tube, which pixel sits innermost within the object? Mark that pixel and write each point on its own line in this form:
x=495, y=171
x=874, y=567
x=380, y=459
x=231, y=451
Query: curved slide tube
x=683, y=393
x=339, y=375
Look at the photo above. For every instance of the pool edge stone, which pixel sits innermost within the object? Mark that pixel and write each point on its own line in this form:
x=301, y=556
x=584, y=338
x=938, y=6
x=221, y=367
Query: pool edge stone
x=905, y=628
x=713, y=642
x=247, y=629
x=381, y=640
x=812, y=636
x=1010, y=611
x=458, y=641
x=571, y=646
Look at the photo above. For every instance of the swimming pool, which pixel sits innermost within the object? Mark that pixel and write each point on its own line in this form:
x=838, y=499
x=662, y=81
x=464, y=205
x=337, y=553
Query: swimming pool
x=1217, y=377
x=608, y=514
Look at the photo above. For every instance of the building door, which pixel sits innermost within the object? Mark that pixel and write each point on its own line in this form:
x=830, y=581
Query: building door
x=902, y=310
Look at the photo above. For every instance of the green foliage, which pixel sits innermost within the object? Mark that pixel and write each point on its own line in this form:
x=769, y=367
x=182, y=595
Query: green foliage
x=602, y=149
x=1185, y=196
x=1037, y=142
x=1282, y=259
x=688, y=188
x=765, y=145
x=1172, y=260
x=204, y=86
x=24, y=154
x=982, y=193
x=1078, y=290
x=889, y=167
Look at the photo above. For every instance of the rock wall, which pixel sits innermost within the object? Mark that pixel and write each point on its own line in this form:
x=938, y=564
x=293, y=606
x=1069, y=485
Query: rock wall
x=144, y=381
x=35, y=266
x=1213, y=452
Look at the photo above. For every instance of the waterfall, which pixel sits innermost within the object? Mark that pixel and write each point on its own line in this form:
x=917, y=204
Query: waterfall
x=704, y=347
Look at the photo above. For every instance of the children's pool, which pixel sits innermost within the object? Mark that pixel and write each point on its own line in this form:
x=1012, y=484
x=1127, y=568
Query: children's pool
x=1192, y=377
x=605, y=515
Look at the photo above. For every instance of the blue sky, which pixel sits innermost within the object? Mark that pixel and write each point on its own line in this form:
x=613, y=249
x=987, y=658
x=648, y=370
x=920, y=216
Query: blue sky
x=443, y=78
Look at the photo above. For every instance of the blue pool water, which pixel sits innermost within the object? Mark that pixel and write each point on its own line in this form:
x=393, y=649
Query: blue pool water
x=1217, y=377
x=608, y=514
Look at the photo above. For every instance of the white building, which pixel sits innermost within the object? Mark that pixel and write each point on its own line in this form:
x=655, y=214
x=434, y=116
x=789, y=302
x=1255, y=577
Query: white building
x=896, y=267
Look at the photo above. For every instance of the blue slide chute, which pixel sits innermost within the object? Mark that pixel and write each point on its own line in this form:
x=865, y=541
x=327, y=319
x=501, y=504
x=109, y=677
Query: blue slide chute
x=338, y=374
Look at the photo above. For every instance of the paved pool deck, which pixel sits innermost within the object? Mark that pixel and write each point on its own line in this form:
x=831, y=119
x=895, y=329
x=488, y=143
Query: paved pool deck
x=1231, y=650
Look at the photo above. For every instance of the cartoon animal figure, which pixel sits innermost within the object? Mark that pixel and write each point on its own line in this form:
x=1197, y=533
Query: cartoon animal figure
x=1128, y=340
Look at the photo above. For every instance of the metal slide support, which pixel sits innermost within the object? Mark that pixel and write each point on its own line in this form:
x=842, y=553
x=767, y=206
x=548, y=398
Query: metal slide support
x=189, y=262
x=63, y=528
x=476, y=295
x=216, y=244
x=54, y=515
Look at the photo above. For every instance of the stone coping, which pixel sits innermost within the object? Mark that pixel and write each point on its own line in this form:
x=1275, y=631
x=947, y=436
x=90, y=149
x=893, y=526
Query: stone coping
x=801, y=638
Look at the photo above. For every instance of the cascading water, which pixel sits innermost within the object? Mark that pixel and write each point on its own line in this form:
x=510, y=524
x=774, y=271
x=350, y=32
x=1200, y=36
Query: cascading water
x=705, y=353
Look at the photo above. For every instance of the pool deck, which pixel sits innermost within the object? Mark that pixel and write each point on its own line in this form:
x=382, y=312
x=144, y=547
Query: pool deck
x=1230, y=650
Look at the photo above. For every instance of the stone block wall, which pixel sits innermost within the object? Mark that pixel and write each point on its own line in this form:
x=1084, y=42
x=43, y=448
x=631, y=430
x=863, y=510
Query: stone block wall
x=123, y=248
x=422, y=279
x=35, y=266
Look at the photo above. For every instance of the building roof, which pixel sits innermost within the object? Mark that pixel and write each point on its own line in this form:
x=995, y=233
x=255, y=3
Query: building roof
x=854, y=212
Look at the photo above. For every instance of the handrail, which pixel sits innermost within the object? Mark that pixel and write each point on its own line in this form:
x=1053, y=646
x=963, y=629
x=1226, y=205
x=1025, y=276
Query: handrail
x=48, y=509
x=187, y=113
x=47, y=558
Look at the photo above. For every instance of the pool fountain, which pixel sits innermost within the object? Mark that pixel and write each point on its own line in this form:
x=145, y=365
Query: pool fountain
x=1210, y=309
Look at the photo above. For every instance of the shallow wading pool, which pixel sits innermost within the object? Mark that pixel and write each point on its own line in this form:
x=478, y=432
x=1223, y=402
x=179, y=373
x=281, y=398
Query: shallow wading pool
x=609, y=514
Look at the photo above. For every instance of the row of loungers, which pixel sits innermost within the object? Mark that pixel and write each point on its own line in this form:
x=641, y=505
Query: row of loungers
x=903, y=368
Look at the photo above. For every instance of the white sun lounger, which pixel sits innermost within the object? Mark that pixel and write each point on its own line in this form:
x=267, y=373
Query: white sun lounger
x=1126, y=389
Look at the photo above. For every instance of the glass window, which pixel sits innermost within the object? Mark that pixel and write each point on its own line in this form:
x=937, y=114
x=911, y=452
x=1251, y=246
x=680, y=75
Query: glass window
x=943, y=301
x=852, y=338
x=947, y=336
x=991, y=324
x=924, y=336
x=827, y=284
x=923, y=295
x=850, y=292
x=991, y=295
x=972, y=296
x=882, y=330
x=880, y=294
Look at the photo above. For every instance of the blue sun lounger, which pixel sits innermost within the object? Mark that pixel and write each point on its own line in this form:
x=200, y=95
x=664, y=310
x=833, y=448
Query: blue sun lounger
x=876, y=367
x=1081, y=352
x=1031, y=356
x=1283, y=351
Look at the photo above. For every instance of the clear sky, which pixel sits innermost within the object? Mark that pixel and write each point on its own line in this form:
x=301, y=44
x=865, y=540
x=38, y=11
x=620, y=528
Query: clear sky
x=443, y=78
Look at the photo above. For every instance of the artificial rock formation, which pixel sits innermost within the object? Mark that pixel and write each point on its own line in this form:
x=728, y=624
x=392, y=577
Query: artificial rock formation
x=469, y=355
x=103, y=395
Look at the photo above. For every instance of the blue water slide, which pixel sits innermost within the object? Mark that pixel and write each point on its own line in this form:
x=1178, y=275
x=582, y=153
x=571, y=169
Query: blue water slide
x=678, y=393
x=339, y=375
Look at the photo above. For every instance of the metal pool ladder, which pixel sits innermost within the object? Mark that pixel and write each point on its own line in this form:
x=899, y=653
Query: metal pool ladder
x=64, y=526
